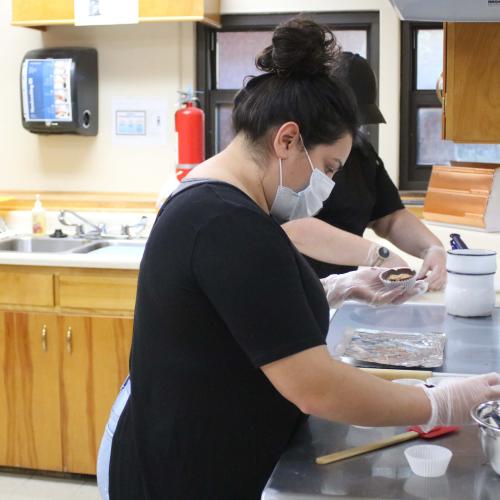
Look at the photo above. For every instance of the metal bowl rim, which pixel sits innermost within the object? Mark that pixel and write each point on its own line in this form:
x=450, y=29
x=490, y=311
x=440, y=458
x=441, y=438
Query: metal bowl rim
x=477, y=409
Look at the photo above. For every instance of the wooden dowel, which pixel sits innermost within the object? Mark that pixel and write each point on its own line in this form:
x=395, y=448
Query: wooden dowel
x=389, y=374
x=366, y=448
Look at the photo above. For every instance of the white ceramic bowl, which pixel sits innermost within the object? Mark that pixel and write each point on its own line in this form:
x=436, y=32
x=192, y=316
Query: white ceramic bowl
x=471, y=261
x=428, y=460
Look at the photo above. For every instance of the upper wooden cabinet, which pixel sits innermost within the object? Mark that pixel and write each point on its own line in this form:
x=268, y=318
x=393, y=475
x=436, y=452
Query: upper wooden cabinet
x=471, y=108
x=53, y=12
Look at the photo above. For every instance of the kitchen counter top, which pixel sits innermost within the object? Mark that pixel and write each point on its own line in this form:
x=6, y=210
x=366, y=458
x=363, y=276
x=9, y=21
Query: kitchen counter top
x=382, y=474
x=473, y=346
x=99, y=261
x=474, y=238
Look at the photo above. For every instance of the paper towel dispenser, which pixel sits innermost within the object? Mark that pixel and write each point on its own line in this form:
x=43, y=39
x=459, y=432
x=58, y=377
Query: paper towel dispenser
x=59, y=91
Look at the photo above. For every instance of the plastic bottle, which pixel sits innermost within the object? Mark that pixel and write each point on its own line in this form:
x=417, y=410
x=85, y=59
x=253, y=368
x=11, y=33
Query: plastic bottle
x=38, y=217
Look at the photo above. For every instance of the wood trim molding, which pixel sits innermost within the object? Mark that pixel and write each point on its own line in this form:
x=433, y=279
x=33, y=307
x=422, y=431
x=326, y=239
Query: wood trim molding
x=61, y=200
x=122, y=202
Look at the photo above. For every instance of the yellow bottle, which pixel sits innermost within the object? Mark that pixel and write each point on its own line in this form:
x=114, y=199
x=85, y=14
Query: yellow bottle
x=38, y=217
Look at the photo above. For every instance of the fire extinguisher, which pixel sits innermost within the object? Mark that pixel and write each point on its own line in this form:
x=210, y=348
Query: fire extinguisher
x=190, y=128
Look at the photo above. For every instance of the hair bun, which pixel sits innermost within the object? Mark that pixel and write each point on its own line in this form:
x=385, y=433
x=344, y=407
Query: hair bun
x=299, y=46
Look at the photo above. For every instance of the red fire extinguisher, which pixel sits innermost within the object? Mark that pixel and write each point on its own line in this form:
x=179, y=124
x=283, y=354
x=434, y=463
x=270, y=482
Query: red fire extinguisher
x=190, y=128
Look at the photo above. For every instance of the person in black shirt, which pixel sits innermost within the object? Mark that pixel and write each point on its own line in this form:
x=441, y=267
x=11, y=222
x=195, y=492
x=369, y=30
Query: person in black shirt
x=228, y=351
x=364, y=196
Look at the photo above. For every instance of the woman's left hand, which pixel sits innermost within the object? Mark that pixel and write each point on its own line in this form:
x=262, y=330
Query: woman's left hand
x=364, y=285
x=433, y=269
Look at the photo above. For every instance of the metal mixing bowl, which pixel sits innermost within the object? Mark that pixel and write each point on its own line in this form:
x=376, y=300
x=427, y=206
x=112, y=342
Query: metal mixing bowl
x=487, y=415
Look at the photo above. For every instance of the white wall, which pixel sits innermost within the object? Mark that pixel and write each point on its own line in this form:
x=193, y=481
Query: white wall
x=17, y=148
x=147, y=60
x=152, y=60
x=389, y=75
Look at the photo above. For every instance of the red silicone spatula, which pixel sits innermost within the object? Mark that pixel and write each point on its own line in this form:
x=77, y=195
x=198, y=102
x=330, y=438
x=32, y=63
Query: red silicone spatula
x=413, y=433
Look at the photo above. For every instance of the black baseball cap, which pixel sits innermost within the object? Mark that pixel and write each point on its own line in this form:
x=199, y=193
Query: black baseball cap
x=358, y=74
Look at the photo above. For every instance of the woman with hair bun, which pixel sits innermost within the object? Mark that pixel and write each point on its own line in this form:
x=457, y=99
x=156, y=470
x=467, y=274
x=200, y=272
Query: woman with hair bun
x=228, y=351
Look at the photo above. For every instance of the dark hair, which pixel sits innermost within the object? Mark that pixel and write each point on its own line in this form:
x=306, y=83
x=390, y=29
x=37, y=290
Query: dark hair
x=297, y=86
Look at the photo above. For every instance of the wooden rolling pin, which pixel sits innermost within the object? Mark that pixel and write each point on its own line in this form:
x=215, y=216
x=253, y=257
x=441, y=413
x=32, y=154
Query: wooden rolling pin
x=389, y=374
x=366, y=448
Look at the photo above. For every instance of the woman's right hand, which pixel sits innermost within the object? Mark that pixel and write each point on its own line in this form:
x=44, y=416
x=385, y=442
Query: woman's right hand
x=452, y=402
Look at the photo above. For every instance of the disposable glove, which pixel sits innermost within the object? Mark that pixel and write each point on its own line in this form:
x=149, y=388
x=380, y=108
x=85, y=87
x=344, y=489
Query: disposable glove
x=364, y=285
x=452, y=402
x=393, y=260
x=434, y=267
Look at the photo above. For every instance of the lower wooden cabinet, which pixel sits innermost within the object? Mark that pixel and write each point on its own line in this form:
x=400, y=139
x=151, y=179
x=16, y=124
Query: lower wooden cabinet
x=94, y=355
x=30, y=416
x=61, y=374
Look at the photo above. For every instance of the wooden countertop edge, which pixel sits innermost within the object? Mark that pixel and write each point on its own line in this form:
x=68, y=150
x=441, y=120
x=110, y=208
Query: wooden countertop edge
x=69, y=271
x=60, y=200
x=119, y=202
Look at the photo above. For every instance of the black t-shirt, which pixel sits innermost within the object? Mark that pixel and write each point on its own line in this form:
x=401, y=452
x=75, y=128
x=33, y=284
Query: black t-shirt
x=363, y=192
x=222, y=291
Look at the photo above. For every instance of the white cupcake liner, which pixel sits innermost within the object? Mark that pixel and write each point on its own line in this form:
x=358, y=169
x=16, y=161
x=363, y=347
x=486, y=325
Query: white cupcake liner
x=428, y=460
x=406, y=284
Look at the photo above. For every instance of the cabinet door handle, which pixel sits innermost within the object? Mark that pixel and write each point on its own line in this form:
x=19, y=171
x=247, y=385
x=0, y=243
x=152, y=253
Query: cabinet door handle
x=69, y=339
x=44, y=338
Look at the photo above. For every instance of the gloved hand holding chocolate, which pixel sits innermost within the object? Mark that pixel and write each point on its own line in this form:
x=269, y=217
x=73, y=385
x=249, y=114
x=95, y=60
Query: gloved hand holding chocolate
x=365, y=285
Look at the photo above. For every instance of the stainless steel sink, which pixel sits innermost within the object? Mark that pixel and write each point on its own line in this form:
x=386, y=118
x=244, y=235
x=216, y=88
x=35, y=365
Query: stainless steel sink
x=28, y=244
x=97, y=245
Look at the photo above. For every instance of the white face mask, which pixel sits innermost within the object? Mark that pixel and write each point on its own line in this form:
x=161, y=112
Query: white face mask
x=289, y=205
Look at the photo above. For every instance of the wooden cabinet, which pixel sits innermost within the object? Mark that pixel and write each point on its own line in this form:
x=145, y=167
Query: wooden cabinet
x=27, y=289
x=471, y=110
x=53, y=12
x=94, y=358
x=30, y=418
x=42, y=12
x=97, y=291
x=63, y=364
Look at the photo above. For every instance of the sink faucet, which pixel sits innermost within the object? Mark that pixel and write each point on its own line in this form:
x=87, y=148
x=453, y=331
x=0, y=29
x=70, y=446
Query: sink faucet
x=97, y=230
x=137, y=229
x=101, y=230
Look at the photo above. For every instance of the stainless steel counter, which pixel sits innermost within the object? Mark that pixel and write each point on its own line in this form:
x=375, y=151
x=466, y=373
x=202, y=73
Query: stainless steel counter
x=473, y=346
